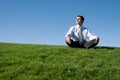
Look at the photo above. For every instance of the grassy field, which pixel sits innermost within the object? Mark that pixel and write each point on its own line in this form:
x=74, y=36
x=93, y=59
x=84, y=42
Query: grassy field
x=49, y=62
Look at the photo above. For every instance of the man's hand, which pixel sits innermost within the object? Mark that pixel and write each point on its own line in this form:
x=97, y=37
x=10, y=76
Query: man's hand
x=96, y=40
x=68, y=40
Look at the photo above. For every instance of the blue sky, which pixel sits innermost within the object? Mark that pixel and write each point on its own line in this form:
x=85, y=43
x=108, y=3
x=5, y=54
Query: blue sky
x=47, y=21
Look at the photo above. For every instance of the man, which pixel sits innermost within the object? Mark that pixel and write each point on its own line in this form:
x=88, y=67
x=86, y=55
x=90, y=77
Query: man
x=79, y=36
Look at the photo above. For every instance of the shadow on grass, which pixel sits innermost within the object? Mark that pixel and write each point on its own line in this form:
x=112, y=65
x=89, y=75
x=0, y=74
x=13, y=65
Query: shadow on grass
x=104, y=47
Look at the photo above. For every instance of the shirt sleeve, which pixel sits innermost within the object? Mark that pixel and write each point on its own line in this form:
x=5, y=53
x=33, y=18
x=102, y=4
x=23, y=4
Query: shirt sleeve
x=90, y=35
x=70, y=32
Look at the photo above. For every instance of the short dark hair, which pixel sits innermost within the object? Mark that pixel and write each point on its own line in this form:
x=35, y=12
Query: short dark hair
x=82, y=18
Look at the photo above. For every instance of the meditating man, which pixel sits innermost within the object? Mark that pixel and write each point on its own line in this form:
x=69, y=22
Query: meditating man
x=79, y=36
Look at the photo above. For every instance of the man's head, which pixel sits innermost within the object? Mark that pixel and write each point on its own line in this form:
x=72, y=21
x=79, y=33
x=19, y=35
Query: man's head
x=80, y=20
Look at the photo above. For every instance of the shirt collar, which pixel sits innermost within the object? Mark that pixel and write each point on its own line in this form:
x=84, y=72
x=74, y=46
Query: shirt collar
x=78, y=26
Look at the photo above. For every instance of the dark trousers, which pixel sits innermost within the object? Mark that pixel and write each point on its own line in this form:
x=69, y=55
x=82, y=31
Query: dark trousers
x=88, y=44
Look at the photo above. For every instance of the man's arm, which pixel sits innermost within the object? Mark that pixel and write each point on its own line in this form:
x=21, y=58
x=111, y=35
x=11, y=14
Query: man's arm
x=96, y=39
x=92, y=37
x=69, y=34
x=68, y=39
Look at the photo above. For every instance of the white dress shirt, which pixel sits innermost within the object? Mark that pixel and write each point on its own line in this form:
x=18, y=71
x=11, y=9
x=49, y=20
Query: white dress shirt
x=85, y=34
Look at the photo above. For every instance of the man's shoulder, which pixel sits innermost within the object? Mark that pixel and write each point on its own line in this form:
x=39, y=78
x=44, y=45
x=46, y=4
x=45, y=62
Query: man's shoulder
x=73, y=27
x=84, y=27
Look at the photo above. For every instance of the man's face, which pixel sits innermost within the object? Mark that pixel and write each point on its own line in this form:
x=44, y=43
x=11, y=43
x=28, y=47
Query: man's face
x=79, y=21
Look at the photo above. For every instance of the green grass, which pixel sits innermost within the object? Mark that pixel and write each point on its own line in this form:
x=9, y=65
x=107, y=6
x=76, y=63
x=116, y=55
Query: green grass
x=49, y=62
